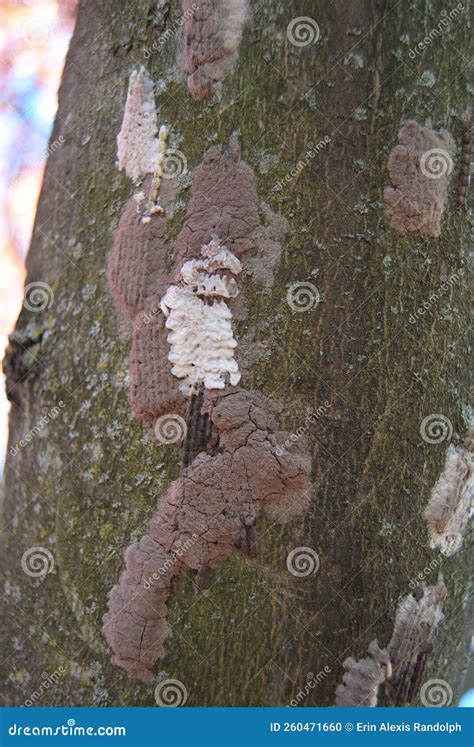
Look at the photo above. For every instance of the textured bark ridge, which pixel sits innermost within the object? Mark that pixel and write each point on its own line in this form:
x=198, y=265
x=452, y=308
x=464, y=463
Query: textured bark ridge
x=232, y=472
x=137, y=263
x=223, y=203
x=419, y=168
x=416, y=627
x=362, y=679
x=200, y=520
x=452, y=500
x=212, y=33
x=400, y=666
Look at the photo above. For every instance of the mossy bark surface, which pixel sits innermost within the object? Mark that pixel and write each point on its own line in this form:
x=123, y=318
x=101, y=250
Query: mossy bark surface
x=86, y=486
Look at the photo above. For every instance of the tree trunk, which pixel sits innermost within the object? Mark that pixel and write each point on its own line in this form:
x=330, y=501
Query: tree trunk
x=85, y=484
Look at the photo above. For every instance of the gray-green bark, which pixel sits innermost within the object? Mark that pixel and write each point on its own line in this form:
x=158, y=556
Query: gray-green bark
x=87, y=487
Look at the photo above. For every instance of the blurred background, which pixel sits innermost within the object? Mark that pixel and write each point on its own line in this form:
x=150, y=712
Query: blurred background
x=34, y=38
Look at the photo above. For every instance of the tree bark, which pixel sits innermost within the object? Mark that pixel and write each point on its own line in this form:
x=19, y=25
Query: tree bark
x=88, y=483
